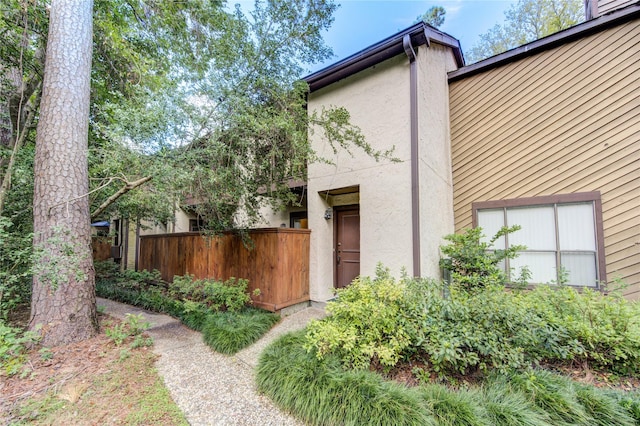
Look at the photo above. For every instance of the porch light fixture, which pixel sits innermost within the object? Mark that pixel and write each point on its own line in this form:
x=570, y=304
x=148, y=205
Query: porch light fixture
x=327, y=213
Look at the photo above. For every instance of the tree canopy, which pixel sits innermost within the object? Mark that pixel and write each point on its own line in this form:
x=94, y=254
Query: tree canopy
x=434, y=16
x=203, y=100
x=191, y=102
x=526, y=21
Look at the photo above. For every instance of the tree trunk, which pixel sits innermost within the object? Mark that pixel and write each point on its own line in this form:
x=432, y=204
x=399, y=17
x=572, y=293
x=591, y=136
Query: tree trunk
x=63, y=299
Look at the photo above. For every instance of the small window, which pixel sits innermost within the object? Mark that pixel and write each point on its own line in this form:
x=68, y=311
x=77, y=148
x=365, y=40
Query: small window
x=298, y=220
x=102, y=231
x=196, y=225
x=562, y=233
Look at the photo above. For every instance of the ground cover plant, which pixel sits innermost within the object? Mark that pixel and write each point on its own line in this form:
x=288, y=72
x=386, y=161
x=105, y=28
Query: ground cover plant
x=473, y=351
x=221, y=310
x=322, y=391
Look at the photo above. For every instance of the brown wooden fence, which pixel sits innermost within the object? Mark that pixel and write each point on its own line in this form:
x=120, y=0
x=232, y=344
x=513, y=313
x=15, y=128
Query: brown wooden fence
x=101, y=248
x=278, y=263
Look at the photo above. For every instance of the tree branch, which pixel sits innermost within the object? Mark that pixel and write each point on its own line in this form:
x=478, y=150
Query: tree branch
x=126, y=188
x=6, y=180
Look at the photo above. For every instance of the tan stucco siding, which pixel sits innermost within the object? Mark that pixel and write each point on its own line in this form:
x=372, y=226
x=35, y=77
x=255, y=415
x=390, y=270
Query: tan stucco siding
x=436, y=185
x=562, y=121
x=378, y=101
x=130, y=259
x=276, y=218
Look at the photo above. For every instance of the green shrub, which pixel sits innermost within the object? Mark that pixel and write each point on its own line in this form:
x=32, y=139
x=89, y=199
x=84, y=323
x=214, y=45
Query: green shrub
x=107, y=271
x=141, y=288
x=566, y=324
x=228, y=332
x=141, y=279
x=216, y=308
x=384, y=320
x=604, y=330
x=368, y=321
x=217, y=295
x=154, y=299
x=457, y=331
x=194, y=314
x=148, y=290
x=474, y=264
x=16, y=248
x=482, y=331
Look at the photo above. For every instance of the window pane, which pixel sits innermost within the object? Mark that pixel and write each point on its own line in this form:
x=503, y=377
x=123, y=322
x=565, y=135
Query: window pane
x=580, y=267
x=575, y=227
x=541, y=265
x=538, y=227
x=491, y=221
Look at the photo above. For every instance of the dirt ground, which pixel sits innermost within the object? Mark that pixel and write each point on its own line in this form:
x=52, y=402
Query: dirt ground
x=404, y=373
x=90, y=382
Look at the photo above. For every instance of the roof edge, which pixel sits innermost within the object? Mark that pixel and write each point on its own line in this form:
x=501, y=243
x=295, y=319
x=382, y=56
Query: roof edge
x=381, y=51
x=576, y=32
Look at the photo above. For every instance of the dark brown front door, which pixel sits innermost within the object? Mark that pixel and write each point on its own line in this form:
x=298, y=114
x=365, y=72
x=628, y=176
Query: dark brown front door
x=347, y=245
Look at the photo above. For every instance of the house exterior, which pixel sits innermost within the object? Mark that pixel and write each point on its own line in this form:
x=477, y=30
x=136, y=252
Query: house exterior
x=546, y=136
x=550, y=134
x=363, y=211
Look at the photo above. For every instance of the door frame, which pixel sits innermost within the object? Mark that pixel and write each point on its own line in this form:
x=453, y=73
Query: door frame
x=335, y=237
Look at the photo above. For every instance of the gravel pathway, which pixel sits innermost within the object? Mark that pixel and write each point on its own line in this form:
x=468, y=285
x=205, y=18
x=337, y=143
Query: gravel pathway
x=211, y=388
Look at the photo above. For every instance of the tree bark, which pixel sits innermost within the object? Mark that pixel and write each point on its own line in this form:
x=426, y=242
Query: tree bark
x=63, y=300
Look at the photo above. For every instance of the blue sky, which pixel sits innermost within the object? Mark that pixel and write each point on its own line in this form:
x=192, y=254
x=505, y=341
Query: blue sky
x=361, y=23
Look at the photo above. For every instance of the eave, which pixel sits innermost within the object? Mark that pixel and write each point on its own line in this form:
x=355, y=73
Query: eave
x=576, y=32
x=388, y=48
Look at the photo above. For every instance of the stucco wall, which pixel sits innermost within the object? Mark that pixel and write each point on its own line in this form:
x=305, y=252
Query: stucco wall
x=275, y=218
x=378, y=100
x=436, y=183
x=181, y=223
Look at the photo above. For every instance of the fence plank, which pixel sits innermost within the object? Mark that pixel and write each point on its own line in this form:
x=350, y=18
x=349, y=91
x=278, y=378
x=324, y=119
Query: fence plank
x=101, y=247
x=278, y=263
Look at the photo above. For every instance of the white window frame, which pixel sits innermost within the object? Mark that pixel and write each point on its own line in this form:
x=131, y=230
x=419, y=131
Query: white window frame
x=555, y=201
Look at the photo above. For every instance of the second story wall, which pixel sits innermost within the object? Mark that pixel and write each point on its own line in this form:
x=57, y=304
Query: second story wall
x=563, y=121
x=378, y=101
x=436, y=184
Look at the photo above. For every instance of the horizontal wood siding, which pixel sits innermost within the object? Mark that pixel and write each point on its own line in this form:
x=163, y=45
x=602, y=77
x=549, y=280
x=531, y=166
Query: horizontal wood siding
x=563, y=121
x=278, y=263
x=606, y=6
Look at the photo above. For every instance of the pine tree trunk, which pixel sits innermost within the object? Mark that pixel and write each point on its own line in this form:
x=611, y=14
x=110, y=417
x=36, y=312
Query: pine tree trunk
x=63, y=299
